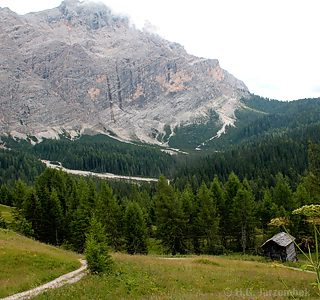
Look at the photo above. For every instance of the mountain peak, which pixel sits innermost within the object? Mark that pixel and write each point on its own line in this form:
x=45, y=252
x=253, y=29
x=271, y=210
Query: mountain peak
x=78, y=67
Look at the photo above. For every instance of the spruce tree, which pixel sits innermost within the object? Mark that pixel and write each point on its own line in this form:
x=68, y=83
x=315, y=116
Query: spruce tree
x=216, y=193
x=5, y=196
x=55, y=216
x=135, y=231
x=32, y=211
x=96, y=249
x=189, y=209
x=207, y=220
x=109, y=213
x=169, y=218
x=243, y=216
x=230, y=191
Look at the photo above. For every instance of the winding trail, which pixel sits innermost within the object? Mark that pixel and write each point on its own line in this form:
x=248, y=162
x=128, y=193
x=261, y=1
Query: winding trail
x=71, y=277
x=101, y=175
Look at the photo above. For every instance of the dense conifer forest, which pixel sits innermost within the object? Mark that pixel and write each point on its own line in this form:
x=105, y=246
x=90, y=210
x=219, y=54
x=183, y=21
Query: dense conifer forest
x=216, y=200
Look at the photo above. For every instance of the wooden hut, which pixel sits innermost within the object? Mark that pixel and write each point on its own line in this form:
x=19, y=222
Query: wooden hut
x=281, y=247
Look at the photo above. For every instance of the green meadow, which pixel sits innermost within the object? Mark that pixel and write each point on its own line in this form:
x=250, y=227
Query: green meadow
x=197, y=277
x=26, y=264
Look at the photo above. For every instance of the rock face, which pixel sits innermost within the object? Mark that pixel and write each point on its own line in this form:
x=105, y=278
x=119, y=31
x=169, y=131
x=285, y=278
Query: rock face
x=78, y=67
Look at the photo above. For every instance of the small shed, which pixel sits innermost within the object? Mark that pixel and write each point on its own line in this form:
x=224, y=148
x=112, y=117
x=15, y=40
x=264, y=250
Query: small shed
x=281, y=247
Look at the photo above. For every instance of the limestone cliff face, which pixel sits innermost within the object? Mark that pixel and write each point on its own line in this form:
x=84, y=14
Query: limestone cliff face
x=79, y=67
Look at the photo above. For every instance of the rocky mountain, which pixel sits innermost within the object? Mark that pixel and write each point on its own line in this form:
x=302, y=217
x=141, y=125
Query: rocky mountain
x=79, y=68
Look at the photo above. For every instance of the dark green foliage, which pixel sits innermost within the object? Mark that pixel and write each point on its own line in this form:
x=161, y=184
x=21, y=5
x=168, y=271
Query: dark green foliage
x=135, y=231
x=5, y=196
x=15, y=165
x=96, y=249
x=314, y=176
x=32, y=211
x=109, y=213
x=3, y=223
x=170, y=220
x=242, y=216
x=103, y=154
x=259, y=161
x=207, y=220
x=190, y=136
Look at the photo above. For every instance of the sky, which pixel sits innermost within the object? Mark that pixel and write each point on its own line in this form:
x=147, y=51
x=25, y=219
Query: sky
x=272, y=46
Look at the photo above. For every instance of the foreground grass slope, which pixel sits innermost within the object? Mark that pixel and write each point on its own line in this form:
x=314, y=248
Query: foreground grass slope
x=146, y=277
x=25, y=263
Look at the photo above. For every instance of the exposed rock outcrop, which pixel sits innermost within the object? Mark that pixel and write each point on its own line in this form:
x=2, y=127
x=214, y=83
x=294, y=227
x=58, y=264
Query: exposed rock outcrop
x=79, y=67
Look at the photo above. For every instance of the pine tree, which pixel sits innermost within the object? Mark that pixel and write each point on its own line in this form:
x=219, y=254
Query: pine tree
x=19, y=194
x=207, y=220
x=55, y=216
x=313, y=178
x=32, y=211
x=135, y=231
x=96, y=249
x=5, y=196
x=189, y=209
x=216, y=193
x=169, y=218
x=109, y=213
x=267, y=210
x=242, y=216
x=230, y=191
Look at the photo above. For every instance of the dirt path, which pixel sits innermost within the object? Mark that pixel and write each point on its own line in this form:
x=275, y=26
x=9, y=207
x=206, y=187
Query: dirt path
x=101, y=175
x=60, y=281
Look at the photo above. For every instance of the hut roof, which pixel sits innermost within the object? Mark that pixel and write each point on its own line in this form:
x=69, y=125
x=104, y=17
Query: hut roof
x=282, y=239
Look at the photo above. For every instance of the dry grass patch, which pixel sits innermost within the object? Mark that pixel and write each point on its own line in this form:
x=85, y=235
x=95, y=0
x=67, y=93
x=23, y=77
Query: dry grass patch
x=25, y=263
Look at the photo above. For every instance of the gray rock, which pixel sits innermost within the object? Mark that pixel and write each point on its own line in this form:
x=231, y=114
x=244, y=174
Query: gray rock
x=79, y=67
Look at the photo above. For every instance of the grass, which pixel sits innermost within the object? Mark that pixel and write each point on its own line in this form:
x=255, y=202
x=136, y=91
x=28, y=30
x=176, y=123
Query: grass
x=202, y=277
x=25, y=263
x=6, y=213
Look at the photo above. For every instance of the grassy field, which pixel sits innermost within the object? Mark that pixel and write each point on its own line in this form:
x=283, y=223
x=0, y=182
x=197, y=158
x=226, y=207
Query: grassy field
x=25, y=263
x=203, y=277
x=6, y=212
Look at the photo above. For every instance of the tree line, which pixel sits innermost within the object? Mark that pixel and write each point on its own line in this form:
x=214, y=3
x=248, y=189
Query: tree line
x=60, y=210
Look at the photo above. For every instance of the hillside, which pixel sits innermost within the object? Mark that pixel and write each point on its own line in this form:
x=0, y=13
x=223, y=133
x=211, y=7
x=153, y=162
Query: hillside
x=26, y=263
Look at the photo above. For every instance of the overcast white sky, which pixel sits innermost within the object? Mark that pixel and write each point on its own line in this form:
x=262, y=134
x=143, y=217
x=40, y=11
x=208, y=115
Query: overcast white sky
x=271, y=45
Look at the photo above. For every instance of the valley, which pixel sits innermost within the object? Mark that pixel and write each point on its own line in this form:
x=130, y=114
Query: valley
x=119, y=147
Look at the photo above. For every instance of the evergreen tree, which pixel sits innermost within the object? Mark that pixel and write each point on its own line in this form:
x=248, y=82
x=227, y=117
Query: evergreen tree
x=169, y=218
x=217, y=195
x=135, y=230
x=282, y=193
x=55, y=216
x=207, y=220
x=96, y=249
x=5, y=196
x=266, y=209
x=109, y=213
x=230, y=191
x=189, y=210
x=19, y=194
x=242, y=216
x=32, y=211
x=313, y=178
